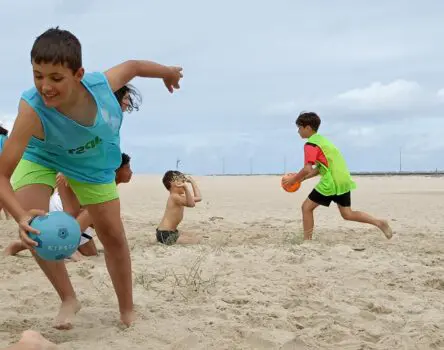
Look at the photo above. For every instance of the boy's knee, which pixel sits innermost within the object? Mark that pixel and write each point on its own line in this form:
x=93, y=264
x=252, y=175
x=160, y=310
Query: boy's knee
x=111, y=235
x=110, y=232
x=346, y=213
x=306, y=207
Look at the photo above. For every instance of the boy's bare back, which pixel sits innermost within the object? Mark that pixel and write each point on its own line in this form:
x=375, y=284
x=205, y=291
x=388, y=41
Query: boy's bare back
x=173, y=213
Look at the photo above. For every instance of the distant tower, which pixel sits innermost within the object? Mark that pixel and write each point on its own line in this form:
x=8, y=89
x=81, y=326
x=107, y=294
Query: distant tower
x=400, y=159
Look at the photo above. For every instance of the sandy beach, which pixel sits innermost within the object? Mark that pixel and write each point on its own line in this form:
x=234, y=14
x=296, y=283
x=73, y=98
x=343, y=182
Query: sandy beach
x=252, y=283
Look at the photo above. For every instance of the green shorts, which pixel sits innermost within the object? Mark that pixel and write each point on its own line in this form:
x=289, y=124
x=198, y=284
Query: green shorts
x=30, y=173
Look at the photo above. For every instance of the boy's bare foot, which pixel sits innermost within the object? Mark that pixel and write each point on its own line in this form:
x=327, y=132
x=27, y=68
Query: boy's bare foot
x=188, y=239
x=75, y=257
x=386, y=229
x=14, y=248
x=35, y=341
x=67, y=312
x=308, y=236
x=128, y=318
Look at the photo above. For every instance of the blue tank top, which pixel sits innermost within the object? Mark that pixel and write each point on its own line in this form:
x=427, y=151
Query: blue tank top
x=88, y=154
x=2, y=141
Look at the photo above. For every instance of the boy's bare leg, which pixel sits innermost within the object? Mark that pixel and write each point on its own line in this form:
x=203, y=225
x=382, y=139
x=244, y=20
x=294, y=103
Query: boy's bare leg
x=4, y=211
x=359, y=216
x=308, y=208
x=69, y=200
x=37, y=197
x=15, y=248
x=32, y=341
x=110, y=231
x=188, y=238
x=88, y=249
x=76, y=256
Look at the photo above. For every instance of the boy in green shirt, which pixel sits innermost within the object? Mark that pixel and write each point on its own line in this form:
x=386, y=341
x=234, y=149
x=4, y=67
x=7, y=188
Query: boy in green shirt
x=335, y=184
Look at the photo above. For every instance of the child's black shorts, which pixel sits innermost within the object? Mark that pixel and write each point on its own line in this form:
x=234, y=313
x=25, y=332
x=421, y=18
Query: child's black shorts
x=344, y=200
x=167, y=237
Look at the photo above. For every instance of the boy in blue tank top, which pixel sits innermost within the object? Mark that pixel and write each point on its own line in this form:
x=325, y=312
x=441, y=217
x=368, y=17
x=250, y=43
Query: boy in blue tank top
x=70, y=123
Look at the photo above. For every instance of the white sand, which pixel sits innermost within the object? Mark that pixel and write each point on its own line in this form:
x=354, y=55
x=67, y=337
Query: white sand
x=251, y=284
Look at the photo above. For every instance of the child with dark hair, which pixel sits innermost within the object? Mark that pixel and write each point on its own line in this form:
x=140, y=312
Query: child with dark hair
x=180, y=197
x=323, y=158
x=129, y=98
x=69, y=123
x=3, y=138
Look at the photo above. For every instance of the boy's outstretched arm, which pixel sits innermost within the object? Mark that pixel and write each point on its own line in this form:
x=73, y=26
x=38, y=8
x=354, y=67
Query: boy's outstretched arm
x=123, y=73
x=196, y=190
x=26, y=125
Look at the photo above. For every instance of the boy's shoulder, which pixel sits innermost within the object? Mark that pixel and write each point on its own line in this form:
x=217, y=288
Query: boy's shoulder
x=95, y=78
x=32, y=95
x=91, y=79
x=316, y=139
x=173, y=198
x=173, y=195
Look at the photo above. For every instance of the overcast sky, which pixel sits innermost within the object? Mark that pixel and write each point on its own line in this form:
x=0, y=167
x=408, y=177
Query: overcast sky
x=373, y=70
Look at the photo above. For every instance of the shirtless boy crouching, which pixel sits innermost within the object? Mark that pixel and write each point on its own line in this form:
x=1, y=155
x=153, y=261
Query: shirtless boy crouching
x=180, y=197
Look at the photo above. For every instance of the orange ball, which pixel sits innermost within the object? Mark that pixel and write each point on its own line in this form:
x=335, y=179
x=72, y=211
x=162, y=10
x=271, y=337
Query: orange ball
x=291, y=188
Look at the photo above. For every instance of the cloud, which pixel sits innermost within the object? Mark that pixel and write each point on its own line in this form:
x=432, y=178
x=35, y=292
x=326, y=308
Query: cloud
x=440, y=94
x=398, y=95
x=399, y=98
x=371, y=70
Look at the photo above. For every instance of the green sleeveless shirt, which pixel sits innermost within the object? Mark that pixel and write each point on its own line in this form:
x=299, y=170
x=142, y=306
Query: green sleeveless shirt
x=335, y=179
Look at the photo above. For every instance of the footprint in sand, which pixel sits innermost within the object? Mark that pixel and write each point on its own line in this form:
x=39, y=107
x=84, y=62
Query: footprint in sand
x=257, y=342
x=435, y=283
x=190, y=342
x=295, y=344
x=215, y=218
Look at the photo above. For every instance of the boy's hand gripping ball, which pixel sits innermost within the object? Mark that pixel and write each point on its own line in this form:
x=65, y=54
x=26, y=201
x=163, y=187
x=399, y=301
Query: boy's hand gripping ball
x=289, y=188
x=59, y=235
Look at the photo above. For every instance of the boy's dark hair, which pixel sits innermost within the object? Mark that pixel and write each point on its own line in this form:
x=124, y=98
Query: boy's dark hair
x=57, y=46
x=125, y=160
x=310, y=119
x=134, y=97
x=170, y=176
x=3, y=131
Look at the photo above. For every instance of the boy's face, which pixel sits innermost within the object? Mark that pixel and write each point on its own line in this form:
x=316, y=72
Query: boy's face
x=177, y=185
x=124, y=174
x=55, y=82
x=305, y=132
